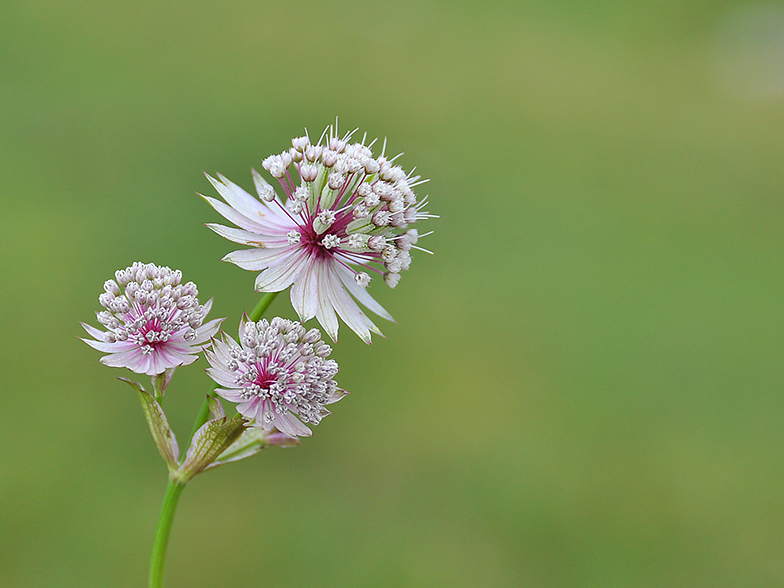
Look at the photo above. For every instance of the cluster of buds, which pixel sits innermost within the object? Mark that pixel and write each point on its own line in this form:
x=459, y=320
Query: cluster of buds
x=276, y=371
x=160, y=305
x=349, y=202
x=152, y=320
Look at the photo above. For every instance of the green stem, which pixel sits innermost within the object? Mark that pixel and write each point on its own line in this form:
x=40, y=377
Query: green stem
x=173, y=491
x=265, y=301
x=256, y=315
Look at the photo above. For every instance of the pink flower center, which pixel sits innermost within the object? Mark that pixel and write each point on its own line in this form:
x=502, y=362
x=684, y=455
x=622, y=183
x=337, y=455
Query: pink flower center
x=312, y=242
x=264, y=379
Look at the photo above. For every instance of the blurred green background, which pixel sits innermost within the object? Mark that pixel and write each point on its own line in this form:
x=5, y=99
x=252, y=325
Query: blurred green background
x=584, y=385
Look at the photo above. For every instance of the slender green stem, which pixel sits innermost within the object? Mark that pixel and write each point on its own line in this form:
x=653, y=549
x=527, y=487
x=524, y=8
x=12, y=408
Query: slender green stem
x=265, y=301
x=257, y=313
x=173, y=491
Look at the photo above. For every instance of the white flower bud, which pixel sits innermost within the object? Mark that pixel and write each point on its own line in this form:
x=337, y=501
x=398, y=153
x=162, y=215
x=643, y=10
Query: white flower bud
x=391, y=280
x=308, y=172
x=377, y=242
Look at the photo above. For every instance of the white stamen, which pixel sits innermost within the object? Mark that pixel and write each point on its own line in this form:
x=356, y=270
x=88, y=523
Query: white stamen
x=391, y=280
x=330, y=241
x=301, y=194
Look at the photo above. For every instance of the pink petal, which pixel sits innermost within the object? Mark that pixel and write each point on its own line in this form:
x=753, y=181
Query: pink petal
x=291, y=426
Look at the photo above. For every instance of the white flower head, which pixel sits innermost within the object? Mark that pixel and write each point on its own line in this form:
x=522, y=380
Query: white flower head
x=278, y=374
x=346, y=219
x=154, y=323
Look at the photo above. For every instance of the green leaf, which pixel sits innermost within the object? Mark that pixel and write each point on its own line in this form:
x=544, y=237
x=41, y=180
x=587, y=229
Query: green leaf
x=212, y=439
x=253, y=440
x=159, y=426
x=216, y=408
x=160, y=382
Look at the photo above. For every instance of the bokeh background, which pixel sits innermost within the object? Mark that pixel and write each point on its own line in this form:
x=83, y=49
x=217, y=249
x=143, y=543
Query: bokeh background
x=584, y=384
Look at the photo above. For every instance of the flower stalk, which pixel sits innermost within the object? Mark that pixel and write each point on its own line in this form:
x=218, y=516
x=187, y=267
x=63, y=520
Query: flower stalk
x=172, y=496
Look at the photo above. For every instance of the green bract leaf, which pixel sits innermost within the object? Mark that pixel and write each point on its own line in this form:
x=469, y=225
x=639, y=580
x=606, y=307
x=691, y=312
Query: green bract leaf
x=216, y=408
x=212, y=439
x=160, y=382
x=159, y=426
x=253, y=440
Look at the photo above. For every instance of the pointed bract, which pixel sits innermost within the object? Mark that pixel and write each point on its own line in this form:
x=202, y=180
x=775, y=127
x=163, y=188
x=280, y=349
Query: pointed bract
x=211, y=440
x=253, y=440
x=159, y=426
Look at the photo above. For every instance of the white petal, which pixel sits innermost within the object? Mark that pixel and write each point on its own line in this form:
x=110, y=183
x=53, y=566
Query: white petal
x=304, y=292
x=130, y=359
x=258, y=258
x=348, y=310
x=110, y=347
x=248, y=409
x=205, y=332
x=232, y=395
x=325, y=314
x=283, y=274
x=95, y=333
x=240, y=236
x=362, y=294
x=236, y=217
x=238, y=198
x=222, y=376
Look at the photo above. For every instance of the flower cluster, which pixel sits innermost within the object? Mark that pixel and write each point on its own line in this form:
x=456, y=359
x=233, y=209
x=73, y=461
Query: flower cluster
x=276, y=371
x=154, y=322
x=349, y=215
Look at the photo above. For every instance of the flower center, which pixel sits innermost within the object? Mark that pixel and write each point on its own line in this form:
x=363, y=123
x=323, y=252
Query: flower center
x=264, y=379
x=314, y=243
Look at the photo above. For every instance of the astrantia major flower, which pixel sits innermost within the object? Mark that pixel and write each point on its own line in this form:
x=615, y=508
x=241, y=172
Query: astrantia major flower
x=154, y=323
x=348, y=216
x=277, y=371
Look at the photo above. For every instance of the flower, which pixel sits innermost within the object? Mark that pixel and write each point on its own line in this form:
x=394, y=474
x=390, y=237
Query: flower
x=278, y=370
x=347, y=217
x=154, y=323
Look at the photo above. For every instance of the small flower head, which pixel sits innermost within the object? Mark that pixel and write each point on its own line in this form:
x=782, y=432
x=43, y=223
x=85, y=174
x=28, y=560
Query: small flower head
x=154, y=323
x=276, y=371
x=347, y=218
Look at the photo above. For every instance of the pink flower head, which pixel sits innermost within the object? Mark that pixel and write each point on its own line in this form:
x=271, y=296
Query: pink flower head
x=154, y=323
x=277, y=371
x=348, y=216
